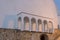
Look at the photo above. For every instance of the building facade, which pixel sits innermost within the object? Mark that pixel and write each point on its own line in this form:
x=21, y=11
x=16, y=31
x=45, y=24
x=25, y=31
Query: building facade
x=35, y=15
x=33, y=20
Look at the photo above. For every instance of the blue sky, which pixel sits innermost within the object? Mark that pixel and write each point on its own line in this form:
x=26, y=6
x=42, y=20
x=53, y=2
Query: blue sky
x=58, y=6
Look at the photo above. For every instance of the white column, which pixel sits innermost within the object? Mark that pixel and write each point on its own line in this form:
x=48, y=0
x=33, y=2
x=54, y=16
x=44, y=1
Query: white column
x=30, y=25
x=47, y=27
x=43, y=27
x=22, y=28
x=52, y=28
x=37, y=28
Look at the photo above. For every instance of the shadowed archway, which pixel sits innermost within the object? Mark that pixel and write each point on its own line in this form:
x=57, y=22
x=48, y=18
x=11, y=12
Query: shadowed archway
x=43, y=37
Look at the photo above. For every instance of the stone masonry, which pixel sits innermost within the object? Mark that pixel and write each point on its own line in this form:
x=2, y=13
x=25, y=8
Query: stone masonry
x=15, y=34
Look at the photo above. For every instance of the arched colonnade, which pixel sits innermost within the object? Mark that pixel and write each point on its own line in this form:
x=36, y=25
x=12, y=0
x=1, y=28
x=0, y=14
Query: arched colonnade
x=35, y=25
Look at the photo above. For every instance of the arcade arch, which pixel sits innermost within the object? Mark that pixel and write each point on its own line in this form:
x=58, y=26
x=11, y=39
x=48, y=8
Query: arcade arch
x=39, y=24
x=26, y=23
x=33, y=24
x=19, y=23
x=45, y=26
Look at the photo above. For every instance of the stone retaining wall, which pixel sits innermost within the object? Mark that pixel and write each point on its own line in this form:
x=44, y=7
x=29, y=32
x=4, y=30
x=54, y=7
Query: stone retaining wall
x=15, y=34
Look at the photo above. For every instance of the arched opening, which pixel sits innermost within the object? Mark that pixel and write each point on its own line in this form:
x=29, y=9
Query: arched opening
x=40, y=25
x=45, y=26
x=33, y=24
x=50, y=26
x=43, y=37
x=19, y=23
x=26, y=23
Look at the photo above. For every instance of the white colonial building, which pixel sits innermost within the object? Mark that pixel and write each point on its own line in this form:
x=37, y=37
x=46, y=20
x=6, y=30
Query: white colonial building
x=32, y=22
x=31, y=15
